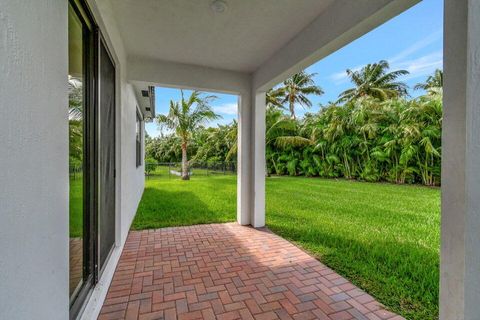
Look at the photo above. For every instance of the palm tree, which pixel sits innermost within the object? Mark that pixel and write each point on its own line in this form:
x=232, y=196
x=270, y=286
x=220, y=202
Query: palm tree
x=296, y=89
x=396, y=140
x=232, y=137
x=75, y=120
x=433, y=81
x=373, y=80
x=284, y=133
x=275, y=96
x=75, y=99
x=186, y=116
x=281, y=132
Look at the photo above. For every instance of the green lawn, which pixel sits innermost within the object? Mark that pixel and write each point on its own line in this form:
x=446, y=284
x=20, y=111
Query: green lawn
x=76, y=207
x=383, y=237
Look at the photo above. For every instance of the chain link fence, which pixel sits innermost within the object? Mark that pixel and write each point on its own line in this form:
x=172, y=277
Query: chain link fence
x=75, y=171
x=173, y=170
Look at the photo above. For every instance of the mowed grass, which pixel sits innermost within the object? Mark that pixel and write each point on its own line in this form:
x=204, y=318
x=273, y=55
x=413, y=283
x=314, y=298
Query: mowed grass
x=76, y=207
x=382, y=237
x=170, y=201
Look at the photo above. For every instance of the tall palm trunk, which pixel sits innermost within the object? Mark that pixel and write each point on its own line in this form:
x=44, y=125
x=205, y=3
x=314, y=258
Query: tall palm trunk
x=292, y=110
x=185, y=175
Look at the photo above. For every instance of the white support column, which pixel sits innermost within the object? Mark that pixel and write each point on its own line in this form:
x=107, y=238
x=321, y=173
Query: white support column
x=460, y=231
x=244, y=170
x=472, y=214
x=258, y=211
x=251, y=160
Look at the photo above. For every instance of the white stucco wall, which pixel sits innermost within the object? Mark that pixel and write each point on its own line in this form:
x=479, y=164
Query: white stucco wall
x=34, y=184
x=132, y=178
x=33, y=160
x=460, y=250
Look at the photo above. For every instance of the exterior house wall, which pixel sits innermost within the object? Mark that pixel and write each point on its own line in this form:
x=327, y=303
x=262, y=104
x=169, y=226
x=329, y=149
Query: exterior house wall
x=34, y=183
x=34, y=177
x=133, y=178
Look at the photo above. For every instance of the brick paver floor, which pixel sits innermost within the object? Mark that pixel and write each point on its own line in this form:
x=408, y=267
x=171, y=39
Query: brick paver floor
x=227, y=271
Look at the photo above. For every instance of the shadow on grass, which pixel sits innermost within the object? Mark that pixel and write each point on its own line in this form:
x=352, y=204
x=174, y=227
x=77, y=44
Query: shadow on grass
x=402, y=276
x=160, y=208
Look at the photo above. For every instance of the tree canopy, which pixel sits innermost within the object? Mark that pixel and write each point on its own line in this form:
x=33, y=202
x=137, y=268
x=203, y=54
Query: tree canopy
x=185, y=117
x=294, y=92
x=370, y=136
x=374, y=80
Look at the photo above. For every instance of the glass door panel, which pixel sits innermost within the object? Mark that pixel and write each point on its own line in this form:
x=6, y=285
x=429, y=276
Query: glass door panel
x=106, y=168
x=76, y=132
x=82, y=161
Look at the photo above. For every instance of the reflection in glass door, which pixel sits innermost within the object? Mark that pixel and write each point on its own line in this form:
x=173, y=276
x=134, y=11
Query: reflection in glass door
x=76, y=130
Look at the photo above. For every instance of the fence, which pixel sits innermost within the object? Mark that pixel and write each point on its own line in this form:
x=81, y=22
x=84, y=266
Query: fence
x=174, y=169
x=75, y=171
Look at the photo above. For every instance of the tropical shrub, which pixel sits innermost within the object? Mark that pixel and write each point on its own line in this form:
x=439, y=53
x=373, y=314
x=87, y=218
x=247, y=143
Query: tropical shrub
x=388, y=137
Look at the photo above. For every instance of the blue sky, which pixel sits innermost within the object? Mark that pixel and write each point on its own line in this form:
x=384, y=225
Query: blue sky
x=411, y=41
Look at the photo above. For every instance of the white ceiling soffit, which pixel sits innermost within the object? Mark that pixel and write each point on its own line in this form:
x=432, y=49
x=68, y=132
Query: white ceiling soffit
x=145, y=95
x=240, y=38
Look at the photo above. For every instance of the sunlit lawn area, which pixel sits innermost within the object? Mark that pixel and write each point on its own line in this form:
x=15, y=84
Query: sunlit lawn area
x=76, y=207
x=383, y=237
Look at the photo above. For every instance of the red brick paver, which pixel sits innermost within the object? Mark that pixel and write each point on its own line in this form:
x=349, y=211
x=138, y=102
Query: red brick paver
x=76, y=262
x=227, y=271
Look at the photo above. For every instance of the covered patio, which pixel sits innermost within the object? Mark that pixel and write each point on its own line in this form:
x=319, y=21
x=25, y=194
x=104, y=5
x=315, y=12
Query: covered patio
x=237, y=47
x=245, y=48
x=228, y=271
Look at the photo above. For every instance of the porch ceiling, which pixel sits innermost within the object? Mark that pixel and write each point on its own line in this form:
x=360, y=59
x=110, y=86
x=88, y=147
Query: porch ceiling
x=243, y=37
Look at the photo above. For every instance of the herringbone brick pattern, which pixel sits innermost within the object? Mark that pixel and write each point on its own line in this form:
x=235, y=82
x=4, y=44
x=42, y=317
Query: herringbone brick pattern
x=226, y=271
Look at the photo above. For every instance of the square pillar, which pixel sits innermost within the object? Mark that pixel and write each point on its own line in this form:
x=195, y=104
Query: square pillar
x=244, y=169
x=259, y=127
x=251, y=160
x=460, y=227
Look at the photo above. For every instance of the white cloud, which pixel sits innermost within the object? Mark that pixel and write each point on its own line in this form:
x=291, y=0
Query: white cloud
x=227, y=108
x=421, y=66
x=417, y=67
x=416, y=47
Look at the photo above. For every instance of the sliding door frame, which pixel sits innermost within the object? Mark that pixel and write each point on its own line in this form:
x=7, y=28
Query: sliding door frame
x=100, y=41
x=91, y=188
x=90, y=35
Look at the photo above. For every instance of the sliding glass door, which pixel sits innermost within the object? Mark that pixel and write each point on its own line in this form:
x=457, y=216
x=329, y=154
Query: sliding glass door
x=91, y=123
x=76, y=132
x=106, y=168
x=81, y=152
